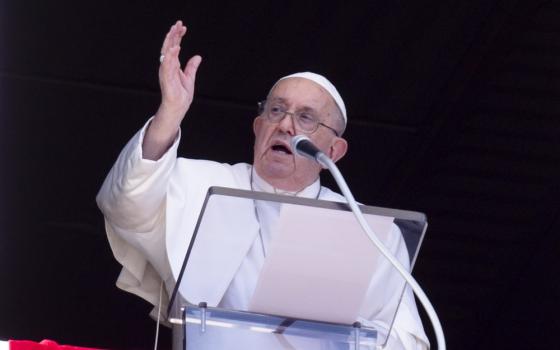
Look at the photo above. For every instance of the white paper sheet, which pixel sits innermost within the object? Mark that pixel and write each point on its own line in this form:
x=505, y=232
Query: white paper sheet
x=319, y=265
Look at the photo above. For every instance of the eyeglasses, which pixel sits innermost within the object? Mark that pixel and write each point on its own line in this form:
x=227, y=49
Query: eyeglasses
x=303, y=120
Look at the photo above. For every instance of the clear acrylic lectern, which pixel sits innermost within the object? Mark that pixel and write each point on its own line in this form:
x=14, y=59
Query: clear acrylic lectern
x=203, y=323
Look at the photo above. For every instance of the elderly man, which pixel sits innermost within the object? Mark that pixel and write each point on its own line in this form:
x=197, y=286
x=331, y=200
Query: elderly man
x=151, y=198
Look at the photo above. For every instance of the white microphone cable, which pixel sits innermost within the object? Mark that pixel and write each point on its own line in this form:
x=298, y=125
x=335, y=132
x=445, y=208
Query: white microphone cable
x=158, y=316
x=326, y=162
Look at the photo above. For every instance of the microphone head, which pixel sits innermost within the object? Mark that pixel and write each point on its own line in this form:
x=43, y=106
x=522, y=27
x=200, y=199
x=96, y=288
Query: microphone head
x=303, y=146
x=294, y=142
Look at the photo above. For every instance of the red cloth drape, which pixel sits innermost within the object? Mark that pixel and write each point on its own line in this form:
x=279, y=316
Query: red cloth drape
x=43, y=345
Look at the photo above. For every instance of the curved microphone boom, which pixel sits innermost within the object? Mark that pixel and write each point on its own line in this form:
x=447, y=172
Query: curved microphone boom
x=303, y=146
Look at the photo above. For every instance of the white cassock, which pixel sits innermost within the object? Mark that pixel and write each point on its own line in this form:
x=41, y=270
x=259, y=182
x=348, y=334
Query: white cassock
x=151, y=209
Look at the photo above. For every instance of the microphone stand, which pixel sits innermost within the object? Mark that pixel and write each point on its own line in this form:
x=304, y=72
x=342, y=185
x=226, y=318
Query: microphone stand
x=327, y=163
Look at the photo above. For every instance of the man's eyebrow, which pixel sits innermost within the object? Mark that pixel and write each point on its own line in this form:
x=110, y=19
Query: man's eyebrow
x=283, y=100
x=278, y=99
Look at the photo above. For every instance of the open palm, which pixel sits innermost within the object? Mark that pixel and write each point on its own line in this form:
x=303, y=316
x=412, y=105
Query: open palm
x=176, y=84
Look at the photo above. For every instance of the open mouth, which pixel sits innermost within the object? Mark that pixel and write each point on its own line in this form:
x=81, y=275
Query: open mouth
x=281, y=149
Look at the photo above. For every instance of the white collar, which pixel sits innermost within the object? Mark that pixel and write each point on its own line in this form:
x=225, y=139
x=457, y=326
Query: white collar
x=259, y=184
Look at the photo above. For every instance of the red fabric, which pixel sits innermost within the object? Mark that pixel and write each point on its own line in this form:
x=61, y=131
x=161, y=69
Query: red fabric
x=43, y=345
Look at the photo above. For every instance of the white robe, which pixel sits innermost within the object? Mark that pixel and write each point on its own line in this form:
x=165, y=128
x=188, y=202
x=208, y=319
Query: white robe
x=151, y=208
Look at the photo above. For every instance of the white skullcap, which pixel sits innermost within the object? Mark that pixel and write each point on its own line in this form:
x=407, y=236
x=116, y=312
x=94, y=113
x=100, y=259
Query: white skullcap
x=325, y=84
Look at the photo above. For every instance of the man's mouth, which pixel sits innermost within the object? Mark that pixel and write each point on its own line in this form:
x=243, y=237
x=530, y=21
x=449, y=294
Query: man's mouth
x=281, y=148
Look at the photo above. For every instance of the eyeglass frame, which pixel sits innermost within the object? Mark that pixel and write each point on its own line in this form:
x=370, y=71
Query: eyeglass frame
x=261, y=110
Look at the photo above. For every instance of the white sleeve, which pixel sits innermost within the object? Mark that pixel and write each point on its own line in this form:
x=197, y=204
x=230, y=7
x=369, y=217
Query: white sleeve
x=132, y=199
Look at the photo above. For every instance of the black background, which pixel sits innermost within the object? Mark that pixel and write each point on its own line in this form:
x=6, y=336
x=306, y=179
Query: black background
x=453, y=110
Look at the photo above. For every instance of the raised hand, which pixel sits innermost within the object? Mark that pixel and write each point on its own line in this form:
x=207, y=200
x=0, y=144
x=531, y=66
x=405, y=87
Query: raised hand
x=177, y=91
x=177, y=86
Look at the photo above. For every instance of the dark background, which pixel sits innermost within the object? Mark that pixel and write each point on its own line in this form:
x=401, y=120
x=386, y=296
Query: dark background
x=453, y=110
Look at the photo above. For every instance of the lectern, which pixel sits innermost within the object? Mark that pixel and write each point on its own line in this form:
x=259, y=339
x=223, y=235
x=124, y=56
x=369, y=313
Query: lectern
x=308, y=322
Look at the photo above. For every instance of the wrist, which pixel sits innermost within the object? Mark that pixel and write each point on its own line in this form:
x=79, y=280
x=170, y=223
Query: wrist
x=169, y=117
x=158, y=137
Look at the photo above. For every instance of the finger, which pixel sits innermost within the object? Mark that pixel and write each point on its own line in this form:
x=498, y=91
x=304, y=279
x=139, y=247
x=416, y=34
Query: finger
x=171, y=37
x=174, y=32
x=177, y=34
x=192, y=65
x=188, y=79
x=180, y=31
x=170, y=65
x=167, y=42
x=171, y=59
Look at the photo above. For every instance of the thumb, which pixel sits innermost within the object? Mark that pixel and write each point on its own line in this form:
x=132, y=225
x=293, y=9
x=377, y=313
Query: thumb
x=191, y=67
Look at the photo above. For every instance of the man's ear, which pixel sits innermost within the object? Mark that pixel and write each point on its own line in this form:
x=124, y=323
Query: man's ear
x=257, y=124
x=338, y=149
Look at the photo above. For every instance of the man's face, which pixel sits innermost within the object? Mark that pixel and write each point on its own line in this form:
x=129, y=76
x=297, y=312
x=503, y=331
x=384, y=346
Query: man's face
x=274, y=160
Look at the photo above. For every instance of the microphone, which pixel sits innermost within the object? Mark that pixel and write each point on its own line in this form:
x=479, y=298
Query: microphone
x=303, y=146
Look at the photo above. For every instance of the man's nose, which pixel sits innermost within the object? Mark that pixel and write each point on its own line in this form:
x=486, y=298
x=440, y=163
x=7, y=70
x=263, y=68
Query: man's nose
x=287, y=124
